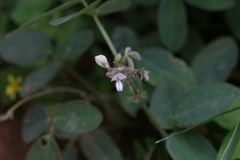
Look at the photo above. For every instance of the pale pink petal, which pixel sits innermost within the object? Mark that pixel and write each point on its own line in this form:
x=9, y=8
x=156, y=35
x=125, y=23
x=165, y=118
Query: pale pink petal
x=118, y=76
x=119, y=86
x=145, y=74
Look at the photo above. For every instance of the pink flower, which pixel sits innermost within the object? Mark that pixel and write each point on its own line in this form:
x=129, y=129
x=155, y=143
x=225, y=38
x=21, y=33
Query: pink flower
x=118, y=77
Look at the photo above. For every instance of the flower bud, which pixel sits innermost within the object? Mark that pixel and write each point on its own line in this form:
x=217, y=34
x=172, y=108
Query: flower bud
x=135, y=55
x=118, y=57
x=101, y=60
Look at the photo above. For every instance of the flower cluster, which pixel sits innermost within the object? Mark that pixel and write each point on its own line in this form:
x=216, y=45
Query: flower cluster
x=122, y=74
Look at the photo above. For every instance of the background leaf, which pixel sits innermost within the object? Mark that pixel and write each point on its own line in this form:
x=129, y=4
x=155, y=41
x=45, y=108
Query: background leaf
x=26, y=47
x=69, y=152
x=112, y=6
x=212, y=5
x=216, y=61
x=45, y=148
x=77, y=117
x=164, y=101
x=205, y=102
x=192, y=146
x=76, y=45
x=39, y=78
x=34, y=123
x=123, y=37
x=232, y=20
x=163, y=65
x=99, y=143
x=172, y=23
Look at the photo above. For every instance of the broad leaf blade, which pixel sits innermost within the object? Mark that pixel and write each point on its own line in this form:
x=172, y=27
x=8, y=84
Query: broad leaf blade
x=101, y=144
x=45, y=148
x=212, y=5
x=70, y=152
x=192, y=146
x=34, y=123
x=216, y=61
x=39, y=78
x=123, y=37
x=172, y=23
x=26, y=47
x=205, y=102
x=112, y=6
x=163, y=102
x=163, y=65
x=77, y=117
x=76, y=45
x=86, y=10
x=47, y=14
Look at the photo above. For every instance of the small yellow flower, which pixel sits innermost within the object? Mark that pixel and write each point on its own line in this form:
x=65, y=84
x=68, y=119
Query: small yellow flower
x=14, y=86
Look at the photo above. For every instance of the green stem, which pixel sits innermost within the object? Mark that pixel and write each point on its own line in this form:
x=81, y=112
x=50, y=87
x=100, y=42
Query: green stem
x=10, y=112
x=105, y=35
x=102, y=30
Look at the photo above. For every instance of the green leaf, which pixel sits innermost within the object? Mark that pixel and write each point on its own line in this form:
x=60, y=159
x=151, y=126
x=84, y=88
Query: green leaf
x=45, y=148
x=204, y=102
x=229, y=121
x=76, y=45
x=25, y=10
x=112, y=6
x=190, y=146
x=144, y=2
x=162, y=65
x=26, y=47
x=47, y=14
x=164, y=101
x=99, y=143
x=34, y=123
x=172, y=23
x=77, y=117
x=123, y=37
x=232, y=20
x=3, y=22
x=230, y=146
x=128, y=104
x=216, y=61
x=69, y=152
x=212, y=5
x=192, y=46
x=86, y=10
x=39, y=78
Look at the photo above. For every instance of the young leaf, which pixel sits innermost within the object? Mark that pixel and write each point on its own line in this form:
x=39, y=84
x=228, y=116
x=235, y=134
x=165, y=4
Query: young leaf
x=163, y=102
x=212, y=5
x=101, y=144
x=86, y=10
x=77, y=117
x=230, y=146
x=172, y=23
x=112, y=6
x=49, y=13
x=232, y=20
x=26, y=47
x=205, y=102
x=76, y=45
x=190, y=145
x=216, y=61
x=229, y=121
x=123, y=37
x=163, y=65
x=45, y=148
x=39, y=78
x=34, y=123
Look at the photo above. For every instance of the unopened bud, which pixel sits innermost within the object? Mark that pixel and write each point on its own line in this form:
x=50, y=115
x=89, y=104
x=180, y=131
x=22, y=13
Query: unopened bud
x=118, y=57
x=102, y=61
x=135, y=55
